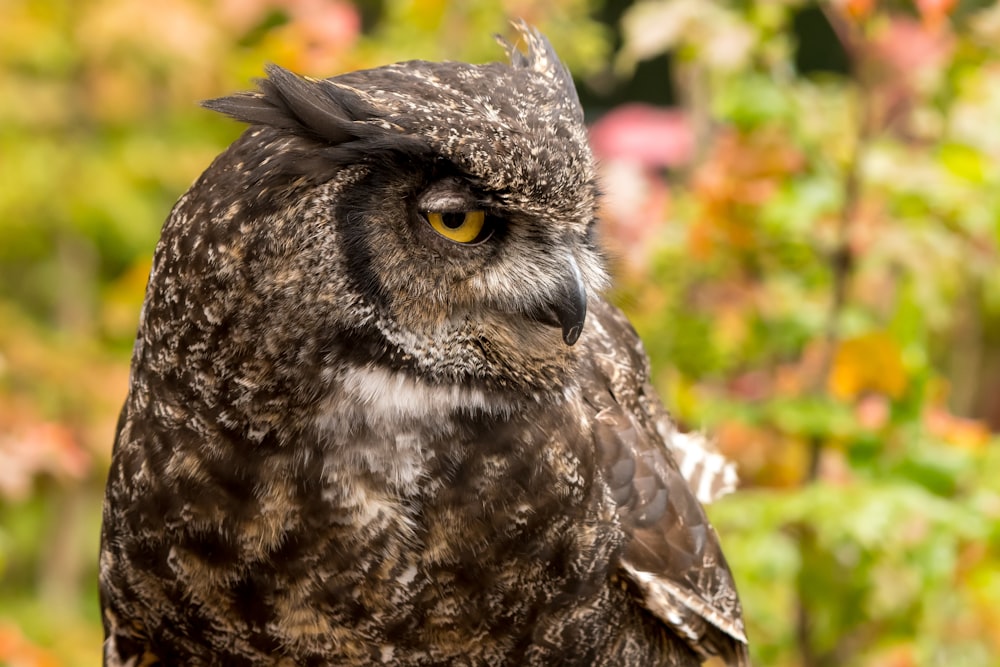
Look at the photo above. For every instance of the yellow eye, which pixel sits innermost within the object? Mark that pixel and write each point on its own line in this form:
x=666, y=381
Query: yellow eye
x=461, y=227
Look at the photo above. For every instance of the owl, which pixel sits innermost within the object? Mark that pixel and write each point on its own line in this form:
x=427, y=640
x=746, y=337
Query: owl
x=379, y=412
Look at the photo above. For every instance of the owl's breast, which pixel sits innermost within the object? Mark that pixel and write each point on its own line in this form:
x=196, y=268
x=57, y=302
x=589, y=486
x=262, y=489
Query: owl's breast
x=394, y=534
x=455, y=536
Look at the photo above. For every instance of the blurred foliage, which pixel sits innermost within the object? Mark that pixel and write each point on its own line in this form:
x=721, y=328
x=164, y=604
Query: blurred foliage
x=818, y=285
x=810, y=254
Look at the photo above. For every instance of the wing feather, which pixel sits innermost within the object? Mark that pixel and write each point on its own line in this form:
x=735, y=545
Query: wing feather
x=672, y=556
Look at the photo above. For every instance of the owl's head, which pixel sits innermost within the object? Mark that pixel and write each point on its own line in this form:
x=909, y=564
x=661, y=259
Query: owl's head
x=431, y=218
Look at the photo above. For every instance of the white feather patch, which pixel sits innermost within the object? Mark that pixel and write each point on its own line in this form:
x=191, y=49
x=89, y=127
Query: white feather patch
x=392, y=396
x=709, y=474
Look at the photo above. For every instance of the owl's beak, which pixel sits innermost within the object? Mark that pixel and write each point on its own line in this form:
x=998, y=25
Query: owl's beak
x=567, y=306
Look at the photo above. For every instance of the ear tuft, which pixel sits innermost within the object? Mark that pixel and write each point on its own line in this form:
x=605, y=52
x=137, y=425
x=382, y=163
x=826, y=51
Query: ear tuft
x=541, y=58
x=287, y=101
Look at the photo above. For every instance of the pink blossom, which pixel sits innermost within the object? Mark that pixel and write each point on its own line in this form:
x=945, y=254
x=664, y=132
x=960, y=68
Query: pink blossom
x=647, y=135
x=907, y=46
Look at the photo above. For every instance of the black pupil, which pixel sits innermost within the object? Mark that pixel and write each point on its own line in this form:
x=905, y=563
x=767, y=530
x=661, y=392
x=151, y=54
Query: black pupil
x=453, y=220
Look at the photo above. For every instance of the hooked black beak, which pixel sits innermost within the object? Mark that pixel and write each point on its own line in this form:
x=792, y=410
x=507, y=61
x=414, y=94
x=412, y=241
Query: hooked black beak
x=567, y=306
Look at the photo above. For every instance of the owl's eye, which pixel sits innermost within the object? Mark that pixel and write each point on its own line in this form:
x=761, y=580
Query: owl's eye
x=461, y=227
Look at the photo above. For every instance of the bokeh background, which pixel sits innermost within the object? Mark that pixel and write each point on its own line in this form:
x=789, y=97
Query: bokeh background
x=803, y=210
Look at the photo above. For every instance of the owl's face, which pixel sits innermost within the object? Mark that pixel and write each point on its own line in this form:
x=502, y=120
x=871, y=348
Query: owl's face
x=432, y=218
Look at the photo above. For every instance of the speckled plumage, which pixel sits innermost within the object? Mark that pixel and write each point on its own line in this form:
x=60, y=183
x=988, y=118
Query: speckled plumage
x=350, y=441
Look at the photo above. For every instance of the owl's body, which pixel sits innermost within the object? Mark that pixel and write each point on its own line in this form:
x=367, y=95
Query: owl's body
x=354, y=436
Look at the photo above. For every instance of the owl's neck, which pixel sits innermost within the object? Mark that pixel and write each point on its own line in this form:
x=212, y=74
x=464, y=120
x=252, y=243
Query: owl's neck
x=385, y=425
x=379, y=398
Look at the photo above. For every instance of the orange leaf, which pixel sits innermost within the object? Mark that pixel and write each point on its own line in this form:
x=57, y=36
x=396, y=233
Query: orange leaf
x=858, y=9
x=868, y=363
x=16, y=649
x=966, y=433
x=934, y=12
